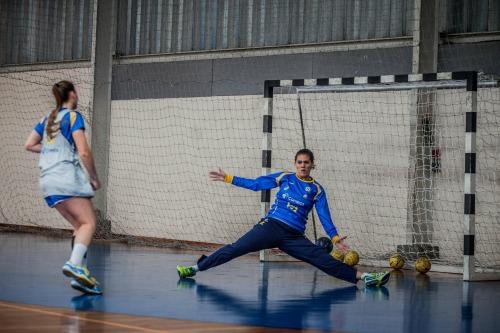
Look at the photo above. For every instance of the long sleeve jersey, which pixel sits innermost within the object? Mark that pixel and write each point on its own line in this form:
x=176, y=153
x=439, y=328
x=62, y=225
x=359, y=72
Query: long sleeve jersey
x=294, y=199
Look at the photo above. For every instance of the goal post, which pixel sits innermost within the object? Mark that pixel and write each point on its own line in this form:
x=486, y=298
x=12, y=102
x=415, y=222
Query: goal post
x=399, y=156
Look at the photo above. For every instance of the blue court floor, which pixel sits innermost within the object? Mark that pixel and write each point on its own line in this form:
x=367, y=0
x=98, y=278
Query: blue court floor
x=143, y=281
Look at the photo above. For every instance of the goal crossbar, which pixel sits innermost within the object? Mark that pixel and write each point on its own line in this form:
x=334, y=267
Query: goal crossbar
x=450, y=80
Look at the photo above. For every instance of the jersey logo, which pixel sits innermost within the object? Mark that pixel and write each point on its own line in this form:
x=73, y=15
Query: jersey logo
x=292, y=207
x=308, y=189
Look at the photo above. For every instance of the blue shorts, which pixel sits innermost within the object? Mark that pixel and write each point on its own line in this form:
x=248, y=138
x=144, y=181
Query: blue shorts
x=53, y=200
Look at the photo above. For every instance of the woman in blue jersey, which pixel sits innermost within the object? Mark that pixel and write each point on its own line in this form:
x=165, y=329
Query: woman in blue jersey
x=60, y=140
x=284, y=225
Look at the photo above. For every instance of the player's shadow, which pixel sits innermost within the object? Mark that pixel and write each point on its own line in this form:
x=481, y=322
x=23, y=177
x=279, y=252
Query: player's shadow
x=288, y=313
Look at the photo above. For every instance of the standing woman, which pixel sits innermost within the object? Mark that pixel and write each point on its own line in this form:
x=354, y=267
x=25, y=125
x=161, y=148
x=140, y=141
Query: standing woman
x=60, y=140
x=284, y=225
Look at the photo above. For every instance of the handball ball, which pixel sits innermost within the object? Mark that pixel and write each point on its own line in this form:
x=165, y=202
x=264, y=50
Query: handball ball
x=396, y=261
x=351, y=258
x=325, y=243
x=422, y=265
x=337, y=255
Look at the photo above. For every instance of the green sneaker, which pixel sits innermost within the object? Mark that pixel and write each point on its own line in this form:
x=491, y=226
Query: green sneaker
x=376, y=279
x=185, y=271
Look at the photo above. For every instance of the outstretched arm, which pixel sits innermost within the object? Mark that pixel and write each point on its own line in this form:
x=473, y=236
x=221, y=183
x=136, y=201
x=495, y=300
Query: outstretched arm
x=261, y=183
x=326, y=220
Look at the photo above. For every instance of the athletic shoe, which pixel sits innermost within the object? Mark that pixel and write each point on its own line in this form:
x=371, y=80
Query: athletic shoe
x=95, y=290
x=185, y=271
x=376, y=279
x=79, y=273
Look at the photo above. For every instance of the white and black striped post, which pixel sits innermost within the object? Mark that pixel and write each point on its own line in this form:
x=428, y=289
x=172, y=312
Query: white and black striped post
x=267, y=129
x=470, y=172
x=471, y=79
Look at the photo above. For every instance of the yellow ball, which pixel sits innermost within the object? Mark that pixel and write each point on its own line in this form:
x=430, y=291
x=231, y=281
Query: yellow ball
x=422, y=265
x=351, y=258
x=396, y=261
x=337, y=254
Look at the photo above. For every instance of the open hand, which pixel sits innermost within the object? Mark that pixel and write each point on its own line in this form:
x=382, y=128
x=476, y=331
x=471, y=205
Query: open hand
x=342, y=245
x=218, y=175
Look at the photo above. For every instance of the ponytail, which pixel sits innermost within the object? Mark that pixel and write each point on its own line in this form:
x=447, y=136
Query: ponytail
x=61, y=92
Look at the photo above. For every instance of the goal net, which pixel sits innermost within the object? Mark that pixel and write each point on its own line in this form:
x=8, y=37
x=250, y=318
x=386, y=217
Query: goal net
x=160, y=153
x=391, y=158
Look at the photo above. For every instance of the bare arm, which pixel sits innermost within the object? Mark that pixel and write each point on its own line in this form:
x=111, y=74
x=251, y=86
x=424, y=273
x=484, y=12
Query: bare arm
x=33, y=142
x=86, y=157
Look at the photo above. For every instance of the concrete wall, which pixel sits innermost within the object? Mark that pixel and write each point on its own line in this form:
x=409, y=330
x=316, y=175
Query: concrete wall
x=161, y=151
x=481, y=57
x=246, y=75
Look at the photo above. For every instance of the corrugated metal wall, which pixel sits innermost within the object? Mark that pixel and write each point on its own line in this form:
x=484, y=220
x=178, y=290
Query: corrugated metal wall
x=461, y=16
x=34, y=31
x=165, y=26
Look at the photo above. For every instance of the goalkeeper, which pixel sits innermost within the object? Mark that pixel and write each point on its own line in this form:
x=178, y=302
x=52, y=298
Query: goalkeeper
x=284, y=225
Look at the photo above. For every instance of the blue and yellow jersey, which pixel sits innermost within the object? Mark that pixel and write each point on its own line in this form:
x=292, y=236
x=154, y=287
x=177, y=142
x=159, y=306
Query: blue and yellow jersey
x=70, y=123
x=294, y=199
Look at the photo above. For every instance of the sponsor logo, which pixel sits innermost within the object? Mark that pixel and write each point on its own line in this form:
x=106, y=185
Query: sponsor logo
x=308, y=189
x=292, y=207
x=295, y=201
x=46, y=150
x=285, y=196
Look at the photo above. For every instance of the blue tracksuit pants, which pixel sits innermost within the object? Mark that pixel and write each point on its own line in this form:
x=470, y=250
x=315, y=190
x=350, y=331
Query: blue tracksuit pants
x=270, y=233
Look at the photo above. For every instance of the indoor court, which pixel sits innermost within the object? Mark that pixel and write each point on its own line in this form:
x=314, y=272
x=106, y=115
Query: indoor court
x=236, y=165
x=255, y=297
